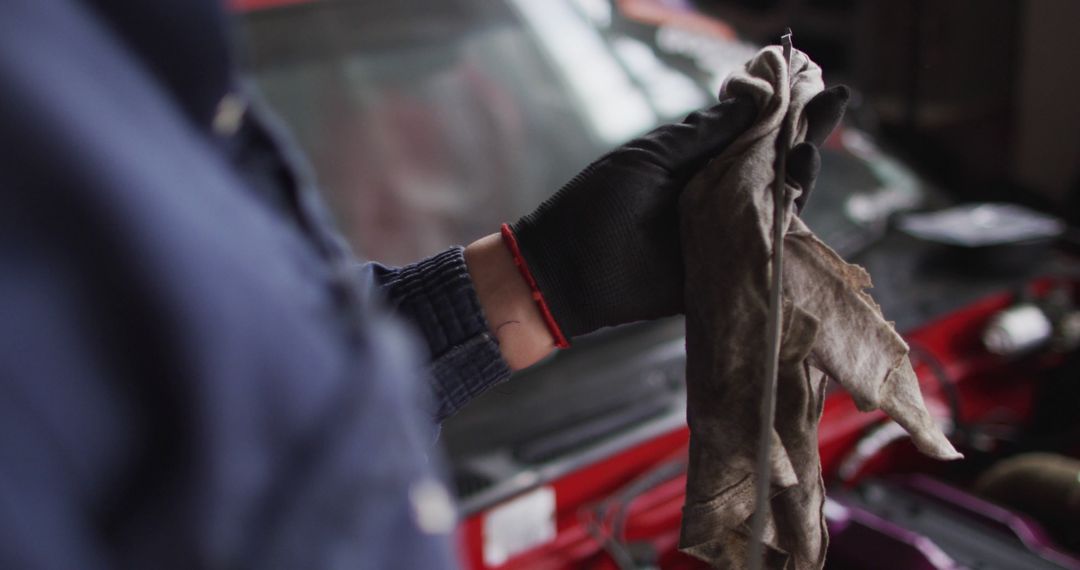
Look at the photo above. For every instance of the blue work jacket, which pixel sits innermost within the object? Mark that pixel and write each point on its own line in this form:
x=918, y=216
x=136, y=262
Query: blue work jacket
x=194, y=370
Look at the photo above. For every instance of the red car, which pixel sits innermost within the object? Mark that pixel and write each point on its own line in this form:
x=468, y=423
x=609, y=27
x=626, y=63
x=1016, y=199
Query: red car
x=431, y=122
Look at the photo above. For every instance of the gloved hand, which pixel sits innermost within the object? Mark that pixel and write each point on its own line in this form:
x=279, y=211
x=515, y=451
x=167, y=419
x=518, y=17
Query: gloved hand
x=604, y=250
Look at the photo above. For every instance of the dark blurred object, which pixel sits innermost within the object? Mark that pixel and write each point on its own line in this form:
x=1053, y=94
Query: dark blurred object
x=982, y=93
x=941, y=77
x=916, y=522
x=823, y=28
x=1043, y=485
x=1055, y=425
x=1046, y=154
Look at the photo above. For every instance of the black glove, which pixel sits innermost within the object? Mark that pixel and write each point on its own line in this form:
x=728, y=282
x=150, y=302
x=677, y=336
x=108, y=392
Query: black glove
x=604, y=250
x=823, y=113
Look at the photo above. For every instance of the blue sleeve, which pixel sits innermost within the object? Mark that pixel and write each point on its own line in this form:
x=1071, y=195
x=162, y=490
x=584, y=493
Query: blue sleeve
x=179, y=384
x=437, y=296
x=61, y=425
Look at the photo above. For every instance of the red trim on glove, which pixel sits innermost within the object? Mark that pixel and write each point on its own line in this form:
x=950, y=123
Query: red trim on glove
x=519, y=261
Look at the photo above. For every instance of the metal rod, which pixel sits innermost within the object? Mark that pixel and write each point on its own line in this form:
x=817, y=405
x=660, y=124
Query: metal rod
x=773, y=325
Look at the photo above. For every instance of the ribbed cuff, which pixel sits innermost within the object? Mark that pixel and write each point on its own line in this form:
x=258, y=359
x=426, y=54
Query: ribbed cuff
x=465, y=372
x=437, y=295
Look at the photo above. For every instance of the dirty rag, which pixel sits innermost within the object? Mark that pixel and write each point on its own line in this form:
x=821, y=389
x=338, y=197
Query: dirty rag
x=831, y=329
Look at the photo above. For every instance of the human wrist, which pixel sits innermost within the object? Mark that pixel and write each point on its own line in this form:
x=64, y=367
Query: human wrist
x=507, y=300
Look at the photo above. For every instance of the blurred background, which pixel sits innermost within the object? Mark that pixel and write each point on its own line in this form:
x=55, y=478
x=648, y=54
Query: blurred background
x=954, y=181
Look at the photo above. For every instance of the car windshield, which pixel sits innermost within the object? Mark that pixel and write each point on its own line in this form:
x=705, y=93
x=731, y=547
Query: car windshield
x=428, y=123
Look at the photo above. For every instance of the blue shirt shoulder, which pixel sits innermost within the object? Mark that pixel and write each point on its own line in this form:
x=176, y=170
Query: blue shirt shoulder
x=192, y=373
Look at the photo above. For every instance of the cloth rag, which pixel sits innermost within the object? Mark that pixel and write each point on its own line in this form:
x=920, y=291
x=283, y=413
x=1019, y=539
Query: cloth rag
x=831, y=329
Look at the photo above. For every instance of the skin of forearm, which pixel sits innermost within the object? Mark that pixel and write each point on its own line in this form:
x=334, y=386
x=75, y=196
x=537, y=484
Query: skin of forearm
x=511, y=312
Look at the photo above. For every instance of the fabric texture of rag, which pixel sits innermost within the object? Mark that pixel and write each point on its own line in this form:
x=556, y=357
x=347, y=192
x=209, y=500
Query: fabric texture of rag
x=831, y=329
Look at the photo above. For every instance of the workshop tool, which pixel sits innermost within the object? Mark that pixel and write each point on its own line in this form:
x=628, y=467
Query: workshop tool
x=768, y=399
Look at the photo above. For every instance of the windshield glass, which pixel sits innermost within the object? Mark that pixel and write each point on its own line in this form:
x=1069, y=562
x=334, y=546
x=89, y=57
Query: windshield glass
x=428, y=124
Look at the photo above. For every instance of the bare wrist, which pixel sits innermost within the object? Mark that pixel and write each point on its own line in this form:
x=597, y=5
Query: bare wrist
x=511, y=313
